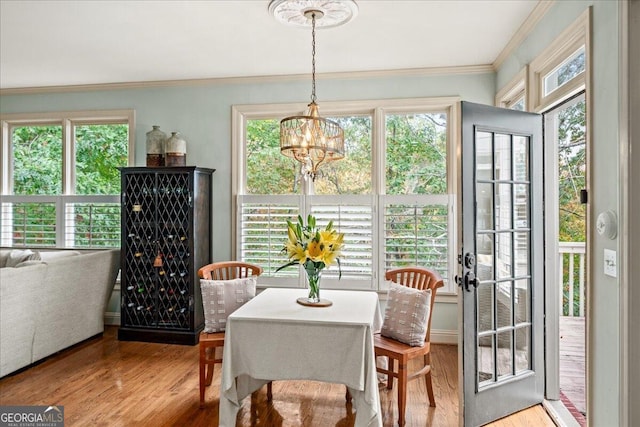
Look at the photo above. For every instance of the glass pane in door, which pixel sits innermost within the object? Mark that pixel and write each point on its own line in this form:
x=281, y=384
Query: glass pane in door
x=523, y=360
x=484, y=160
x=485, y=252
x=503, y=307
x=503, y=157
x=485, y=308
x=505, y=360
x=504, y=252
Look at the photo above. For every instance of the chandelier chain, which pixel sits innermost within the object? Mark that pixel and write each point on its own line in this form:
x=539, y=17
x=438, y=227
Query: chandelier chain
x=311, y=139
x=313, y=57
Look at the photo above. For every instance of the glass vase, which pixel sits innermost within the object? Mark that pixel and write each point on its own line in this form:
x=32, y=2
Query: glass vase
x=313, y=281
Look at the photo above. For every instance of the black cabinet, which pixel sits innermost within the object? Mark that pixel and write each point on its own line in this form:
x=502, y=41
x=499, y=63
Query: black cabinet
x=166, y=237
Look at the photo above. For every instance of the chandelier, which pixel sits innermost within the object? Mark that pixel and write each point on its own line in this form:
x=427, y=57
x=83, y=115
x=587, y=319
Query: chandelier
x=311, y=139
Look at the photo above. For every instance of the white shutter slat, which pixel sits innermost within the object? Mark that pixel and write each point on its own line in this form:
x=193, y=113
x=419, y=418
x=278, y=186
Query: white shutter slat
x=416, y=234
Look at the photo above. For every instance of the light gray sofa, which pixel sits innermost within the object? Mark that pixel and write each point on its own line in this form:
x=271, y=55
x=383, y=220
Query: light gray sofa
x=49, y=305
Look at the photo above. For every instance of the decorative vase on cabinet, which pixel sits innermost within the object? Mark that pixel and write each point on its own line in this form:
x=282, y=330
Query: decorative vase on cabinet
x=166, y=237
x=175, y=150
x=156, y=140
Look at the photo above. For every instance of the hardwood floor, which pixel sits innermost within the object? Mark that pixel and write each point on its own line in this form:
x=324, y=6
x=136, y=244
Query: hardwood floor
x=106, y=382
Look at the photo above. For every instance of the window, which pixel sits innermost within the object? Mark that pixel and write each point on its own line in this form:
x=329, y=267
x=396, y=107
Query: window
x=60, y=178
x=416, y=220
x=565, y=72
x=514, y=94
x=392, y=194
x=559, y=71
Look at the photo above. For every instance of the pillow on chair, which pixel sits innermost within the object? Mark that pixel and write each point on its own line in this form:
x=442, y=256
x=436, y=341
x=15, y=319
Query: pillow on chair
x=406, y=314
x=220, y=298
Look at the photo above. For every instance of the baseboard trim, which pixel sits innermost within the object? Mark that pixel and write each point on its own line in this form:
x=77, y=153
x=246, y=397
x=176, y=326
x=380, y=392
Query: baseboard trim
x=443, y=336
x=111, y=318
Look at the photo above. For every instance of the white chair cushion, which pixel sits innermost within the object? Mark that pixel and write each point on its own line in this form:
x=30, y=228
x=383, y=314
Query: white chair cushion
x=220, y=298
x=406, y=315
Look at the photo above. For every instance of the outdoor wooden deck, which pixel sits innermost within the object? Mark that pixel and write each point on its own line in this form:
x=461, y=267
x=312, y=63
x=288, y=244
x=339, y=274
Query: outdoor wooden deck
x=572, y=361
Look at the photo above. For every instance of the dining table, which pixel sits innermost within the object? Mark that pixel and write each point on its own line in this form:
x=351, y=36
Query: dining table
x=272, y=337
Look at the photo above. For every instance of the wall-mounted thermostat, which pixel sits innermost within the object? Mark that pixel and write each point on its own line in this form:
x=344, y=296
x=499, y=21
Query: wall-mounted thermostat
x=607, y=224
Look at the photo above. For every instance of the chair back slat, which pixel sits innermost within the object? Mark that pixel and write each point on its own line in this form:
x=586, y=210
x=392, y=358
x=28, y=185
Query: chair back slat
x=228, y=270
x=418, y=278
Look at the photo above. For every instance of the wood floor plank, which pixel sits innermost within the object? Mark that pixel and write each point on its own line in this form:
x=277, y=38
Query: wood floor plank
x=572, y=361
x=106, y=382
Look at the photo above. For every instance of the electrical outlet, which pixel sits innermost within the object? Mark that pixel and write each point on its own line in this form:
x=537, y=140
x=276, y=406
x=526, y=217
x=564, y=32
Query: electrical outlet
x=610, y=263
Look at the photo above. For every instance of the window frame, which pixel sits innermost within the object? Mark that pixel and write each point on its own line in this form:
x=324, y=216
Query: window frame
x=514, y=91
x=561, y=49
x=377, y=109
x=67, y=120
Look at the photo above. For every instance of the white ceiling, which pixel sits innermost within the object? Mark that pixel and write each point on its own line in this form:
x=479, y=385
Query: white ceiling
x=78, y=42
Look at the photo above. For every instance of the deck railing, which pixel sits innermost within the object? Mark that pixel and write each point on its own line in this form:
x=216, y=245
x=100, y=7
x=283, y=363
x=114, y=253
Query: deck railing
x=571, y=260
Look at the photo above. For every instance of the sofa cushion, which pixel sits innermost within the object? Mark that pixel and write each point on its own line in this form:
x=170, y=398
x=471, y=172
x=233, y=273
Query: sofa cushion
x=407, y=314
x=30, y=262
x=220, y=298
x=51, y=255
x=18, y=256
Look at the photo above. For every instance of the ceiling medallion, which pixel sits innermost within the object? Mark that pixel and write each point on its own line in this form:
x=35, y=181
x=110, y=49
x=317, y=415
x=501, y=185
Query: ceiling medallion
x=333, y=13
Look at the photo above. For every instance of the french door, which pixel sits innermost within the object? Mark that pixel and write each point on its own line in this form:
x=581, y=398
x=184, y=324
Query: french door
x=501, y=263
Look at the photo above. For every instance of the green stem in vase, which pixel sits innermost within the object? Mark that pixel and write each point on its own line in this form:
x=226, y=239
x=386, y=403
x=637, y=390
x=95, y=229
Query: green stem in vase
x=314, y=273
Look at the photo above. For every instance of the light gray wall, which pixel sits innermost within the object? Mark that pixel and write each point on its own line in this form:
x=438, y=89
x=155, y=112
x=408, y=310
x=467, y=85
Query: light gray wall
x=603, y=322
x=202, y=113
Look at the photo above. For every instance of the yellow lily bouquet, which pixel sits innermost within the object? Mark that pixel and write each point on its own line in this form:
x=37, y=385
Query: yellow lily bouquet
x=314, y=249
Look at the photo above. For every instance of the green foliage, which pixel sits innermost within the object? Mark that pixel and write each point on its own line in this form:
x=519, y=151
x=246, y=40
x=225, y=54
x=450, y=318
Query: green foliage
x=38, y=170
x=571, y=168
x=571, y=69
x=351, y=175
x=100, y=151
x=416, y=158
x=37, y=160
x=268, y=172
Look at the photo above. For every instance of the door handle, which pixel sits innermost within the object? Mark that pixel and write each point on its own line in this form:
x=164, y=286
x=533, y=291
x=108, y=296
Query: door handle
x=470, y=280
x=468, y=261
x=467, y=281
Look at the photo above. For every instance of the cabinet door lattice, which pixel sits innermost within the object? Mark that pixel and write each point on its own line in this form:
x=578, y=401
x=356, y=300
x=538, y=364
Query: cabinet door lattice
x=166, y=238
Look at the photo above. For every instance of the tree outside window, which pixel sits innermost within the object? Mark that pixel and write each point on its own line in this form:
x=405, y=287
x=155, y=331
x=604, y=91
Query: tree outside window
x=83, y=191
x=411, y=203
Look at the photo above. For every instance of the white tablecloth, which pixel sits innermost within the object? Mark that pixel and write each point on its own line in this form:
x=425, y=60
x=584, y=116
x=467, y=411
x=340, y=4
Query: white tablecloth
x=274, y=338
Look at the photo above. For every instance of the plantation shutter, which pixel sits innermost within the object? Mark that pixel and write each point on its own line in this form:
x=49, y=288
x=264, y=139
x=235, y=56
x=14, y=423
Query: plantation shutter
x=262, y=232
x=353, y=216
x=60, y=221
x=416, y=232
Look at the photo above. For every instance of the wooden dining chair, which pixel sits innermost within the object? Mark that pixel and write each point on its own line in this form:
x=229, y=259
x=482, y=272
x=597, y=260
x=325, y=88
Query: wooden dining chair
x=396, y=351
x=209, y=342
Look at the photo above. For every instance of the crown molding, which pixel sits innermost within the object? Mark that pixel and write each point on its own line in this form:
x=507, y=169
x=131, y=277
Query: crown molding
x=433, y=71
x=523, y=32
